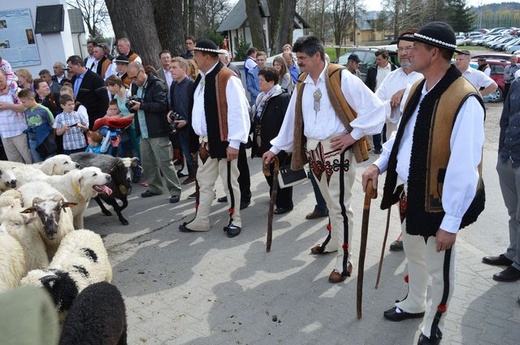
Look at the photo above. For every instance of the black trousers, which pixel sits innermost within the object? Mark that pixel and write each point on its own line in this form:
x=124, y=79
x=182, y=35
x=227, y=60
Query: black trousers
x=244, y=179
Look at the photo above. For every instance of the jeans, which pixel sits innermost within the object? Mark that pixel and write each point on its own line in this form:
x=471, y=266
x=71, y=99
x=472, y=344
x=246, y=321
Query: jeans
x=184, y=141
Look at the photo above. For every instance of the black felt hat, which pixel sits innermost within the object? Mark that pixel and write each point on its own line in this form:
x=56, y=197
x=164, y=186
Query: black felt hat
x=121, y=59
x=438, y=34
x=206, y=45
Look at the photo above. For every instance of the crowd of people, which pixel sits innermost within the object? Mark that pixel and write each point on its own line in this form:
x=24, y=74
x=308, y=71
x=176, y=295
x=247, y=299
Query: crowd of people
x=425, y=118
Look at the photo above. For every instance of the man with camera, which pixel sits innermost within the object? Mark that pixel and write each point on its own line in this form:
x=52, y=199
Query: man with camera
x=151, y=104
x=179, y=116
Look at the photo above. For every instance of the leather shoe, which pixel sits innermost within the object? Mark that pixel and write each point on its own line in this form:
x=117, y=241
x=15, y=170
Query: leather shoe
x=433, y=340
x=281, y=210
x=232, y=230
x=148, y=194
x=395, y=314
x=510, y=274
x=175, y=199
x=316, y=214
x=396, y=246
x=500, y=260
x=244, y=204
x=336, y=277
x=222, y=199
x=189, y=180
x=184, y=228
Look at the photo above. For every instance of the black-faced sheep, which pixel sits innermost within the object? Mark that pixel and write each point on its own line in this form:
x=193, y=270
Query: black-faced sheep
x=17, y=225
x=12, y=262
x=81, y=260
x=97, y=316
x=55, y=221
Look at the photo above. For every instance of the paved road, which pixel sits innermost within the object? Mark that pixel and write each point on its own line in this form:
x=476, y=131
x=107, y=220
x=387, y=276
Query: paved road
x=208, y=289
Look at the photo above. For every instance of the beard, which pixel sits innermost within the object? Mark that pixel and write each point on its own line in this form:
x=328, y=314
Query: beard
x=406, y=64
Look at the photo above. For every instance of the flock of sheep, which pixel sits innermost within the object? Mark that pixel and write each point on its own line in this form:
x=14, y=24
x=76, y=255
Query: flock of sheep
x=43, y=243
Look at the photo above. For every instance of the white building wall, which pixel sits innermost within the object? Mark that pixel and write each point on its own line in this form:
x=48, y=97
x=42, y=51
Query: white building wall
x=51, y=47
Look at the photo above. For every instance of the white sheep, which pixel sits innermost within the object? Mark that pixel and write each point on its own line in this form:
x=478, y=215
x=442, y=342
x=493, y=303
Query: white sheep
x=11, y=198
x=55, y=221
x=17, y=225
x=7, y=177
x=12, y=262
x=81, y=260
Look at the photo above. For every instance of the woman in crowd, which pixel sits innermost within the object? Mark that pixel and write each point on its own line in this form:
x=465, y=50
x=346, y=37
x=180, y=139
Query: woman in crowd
x=120, y=92
x=284, y=76
x=268, y=114
x=25, y=79
x=45, y=97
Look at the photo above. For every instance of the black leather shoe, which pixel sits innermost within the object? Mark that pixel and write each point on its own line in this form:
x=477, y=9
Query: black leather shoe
x=396, y=314
x=500, y=260
x=510, y=274
x=433, y=340
x=222, y=199
x=232, y=230
x=396, y=246
x=175, y=199
x=184, y=228
x=148, y=194
x=282, y=210
x=244, y=204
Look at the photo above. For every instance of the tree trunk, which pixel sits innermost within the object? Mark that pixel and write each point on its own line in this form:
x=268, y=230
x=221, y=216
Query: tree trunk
x=191, y=16
x=255, y=24
x=282, y=23
x=135, y=21
x=170, y=32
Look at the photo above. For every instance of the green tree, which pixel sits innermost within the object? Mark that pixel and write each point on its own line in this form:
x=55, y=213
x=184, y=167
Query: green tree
x=460, y=17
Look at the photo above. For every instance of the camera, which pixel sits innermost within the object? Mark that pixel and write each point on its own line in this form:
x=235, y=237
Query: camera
x=173, y=125
x=131, y=102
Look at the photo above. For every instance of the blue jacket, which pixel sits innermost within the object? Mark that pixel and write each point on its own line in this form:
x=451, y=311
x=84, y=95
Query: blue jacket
x=509, y=142
x=252, y=84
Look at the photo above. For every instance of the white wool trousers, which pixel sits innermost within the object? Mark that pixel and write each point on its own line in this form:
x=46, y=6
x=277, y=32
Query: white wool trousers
x=337, y=192
x=424, y=262
x=207, y=174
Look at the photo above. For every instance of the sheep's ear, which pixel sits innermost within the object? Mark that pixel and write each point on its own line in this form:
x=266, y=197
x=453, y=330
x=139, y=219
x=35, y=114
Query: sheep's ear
x=57, y=198
x=29, y=210
x=49, y=281
x=66, y=204
x=37, y=200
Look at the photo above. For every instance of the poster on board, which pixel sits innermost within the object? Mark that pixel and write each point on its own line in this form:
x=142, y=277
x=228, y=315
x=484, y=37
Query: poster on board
x=17, y=41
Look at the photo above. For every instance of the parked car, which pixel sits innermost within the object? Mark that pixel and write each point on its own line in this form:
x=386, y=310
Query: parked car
x=497, y=74
x=493, y=56
x=367, y=57
x=462, y=40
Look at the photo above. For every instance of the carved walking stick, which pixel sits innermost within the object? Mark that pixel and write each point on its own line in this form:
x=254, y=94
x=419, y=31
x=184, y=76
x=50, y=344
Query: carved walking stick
x=267, y=172
x=383, y=249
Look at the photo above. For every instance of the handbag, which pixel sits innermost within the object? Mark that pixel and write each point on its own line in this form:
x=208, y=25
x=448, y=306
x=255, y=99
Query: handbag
x=289, y=178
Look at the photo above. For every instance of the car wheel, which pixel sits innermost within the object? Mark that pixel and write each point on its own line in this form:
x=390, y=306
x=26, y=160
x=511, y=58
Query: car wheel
x=495, y=96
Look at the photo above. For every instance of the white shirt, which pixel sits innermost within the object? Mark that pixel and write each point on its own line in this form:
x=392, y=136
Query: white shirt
x=168, y=77
x=395, y=81
x=466, y=143
x=238, y=111
x=382, y=73
x=477, y=78
x=90, y=59
x=324, y=124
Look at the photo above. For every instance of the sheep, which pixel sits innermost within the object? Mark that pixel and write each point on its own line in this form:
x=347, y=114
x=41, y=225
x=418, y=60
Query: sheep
x=81, y=260
x=12, y=261
x=51, y=207
x=97, y=316
x=17, y=225
x=11, y=198
x=7, y=178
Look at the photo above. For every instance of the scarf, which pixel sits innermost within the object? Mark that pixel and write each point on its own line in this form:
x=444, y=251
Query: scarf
x=275, y=91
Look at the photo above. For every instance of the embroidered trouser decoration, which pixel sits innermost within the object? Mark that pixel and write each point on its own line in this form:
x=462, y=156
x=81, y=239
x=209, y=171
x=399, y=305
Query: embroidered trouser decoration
x=336, y=188
x=232, y=195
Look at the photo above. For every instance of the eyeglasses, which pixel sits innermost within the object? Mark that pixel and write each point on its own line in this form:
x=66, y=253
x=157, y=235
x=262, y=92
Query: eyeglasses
x=406, y=49
x=135, y=77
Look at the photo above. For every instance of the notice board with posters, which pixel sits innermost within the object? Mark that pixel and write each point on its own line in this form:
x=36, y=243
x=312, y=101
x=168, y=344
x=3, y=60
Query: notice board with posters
x=17, y=41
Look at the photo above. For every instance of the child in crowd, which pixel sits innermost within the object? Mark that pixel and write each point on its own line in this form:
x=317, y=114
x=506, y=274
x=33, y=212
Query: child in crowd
x=71, y=124
x=39, y=127
x=94, y=142
x=113, y=110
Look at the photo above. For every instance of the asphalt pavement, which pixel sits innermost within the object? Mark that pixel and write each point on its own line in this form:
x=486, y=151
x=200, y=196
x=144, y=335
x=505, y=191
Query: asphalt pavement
x=205, y=288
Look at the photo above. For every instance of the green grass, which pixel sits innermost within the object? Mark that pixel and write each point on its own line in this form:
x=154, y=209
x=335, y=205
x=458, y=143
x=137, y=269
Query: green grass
x=332, y=53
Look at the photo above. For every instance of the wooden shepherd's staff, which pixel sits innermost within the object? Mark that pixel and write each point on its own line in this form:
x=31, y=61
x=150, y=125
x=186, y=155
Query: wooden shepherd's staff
x=267, y=172
x=370, y=194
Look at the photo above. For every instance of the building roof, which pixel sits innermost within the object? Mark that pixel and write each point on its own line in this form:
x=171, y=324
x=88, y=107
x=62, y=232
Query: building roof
x=238, y=16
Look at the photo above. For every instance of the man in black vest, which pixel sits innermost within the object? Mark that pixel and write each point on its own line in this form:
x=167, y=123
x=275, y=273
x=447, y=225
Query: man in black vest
x=423, y=174
x=220, y=116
